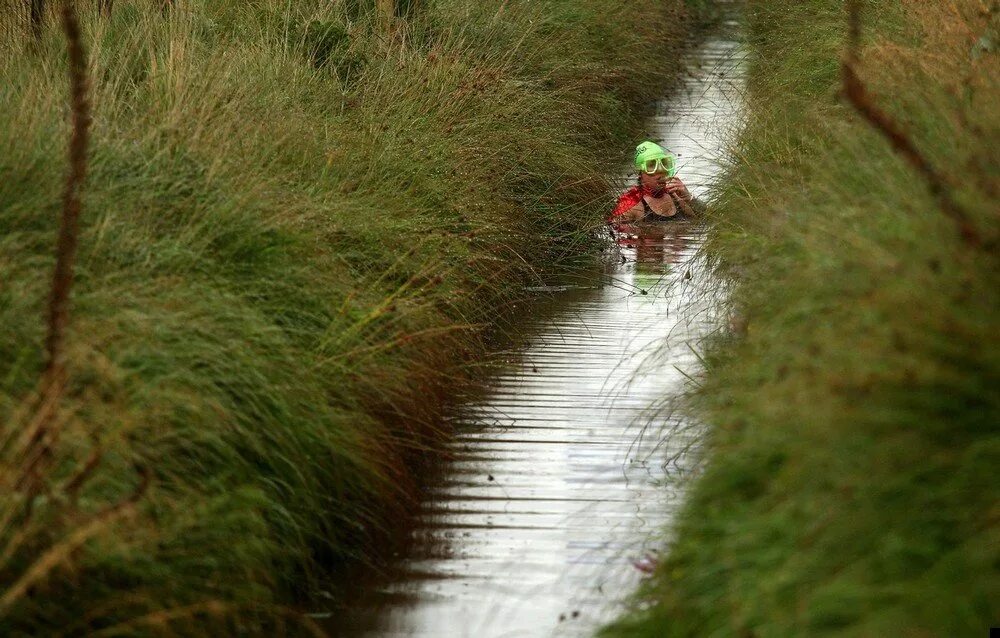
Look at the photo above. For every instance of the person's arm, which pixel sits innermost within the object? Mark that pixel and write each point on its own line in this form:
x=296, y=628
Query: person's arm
x=682, y=198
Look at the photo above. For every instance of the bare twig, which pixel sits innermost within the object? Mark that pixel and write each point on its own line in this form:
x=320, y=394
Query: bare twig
x=864, y=103
x=45, y=429
x=62, y=279
x=74, y=484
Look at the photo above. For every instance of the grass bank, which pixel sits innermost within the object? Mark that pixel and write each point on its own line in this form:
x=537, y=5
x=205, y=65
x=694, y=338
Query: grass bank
x=850, y=481
x=298, y=220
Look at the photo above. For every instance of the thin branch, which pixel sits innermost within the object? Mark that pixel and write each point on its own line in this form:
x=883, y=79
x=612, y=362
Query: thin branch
x=864, y=103
x=73, y=486
x=62, y=279
x=44, y=432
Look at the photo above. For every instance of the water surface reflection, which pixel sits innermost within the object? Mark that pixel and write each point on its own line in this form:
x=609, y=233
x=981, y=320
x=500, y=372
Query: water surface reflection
x=564, y=472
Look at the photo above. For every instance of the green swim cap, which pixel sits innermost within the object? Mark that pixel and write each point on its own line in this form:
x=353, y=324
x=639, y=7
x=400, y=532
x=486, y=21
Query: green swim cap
x=651, y=151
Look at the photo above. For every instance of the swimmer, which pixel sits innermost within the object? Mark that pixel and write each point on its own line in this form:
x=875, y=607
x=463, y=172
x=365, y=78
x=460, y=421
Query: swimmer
x=659, y=195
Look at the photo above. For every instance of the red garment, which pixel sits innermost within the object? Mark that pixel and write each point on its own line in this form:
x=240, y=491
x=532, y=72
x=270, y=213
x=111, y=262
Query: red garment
x=629, y=198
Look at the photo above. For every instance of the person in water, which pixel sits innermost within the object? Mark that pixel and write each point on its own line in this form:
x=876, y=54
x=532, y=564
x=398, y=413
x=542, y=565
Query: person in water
x=659, y=194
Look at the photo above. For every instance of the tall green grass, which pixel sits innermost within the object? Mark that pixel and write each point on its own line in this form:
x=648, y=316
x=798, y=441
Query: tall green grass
x=850, y=482
x=298, y=220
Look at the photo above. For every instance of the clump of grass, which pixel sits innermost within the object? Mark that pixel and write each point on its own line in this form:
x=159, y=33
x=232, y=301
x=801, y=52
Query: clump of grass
x=849, y=486
x=298, y=220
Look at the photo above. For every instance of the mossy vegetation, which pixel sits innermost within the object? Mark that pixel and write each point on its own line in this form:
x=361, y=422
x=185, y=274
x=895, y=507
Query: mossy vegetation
x=298, y=220
x=850, y=485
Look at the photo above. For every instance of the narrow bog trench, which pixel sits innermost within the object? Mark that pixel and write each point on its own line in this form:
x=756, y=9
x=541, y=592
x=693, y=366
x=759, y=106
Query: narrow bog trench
x=568, y=466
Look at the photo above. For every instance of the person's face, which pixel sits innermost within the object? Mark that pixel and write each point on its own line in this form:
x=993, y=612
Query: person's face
x=655, y=182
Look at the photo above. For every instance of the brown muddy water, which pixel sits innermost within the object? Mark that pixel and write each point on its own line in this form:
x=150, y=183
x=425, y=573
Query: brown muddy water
x=568, y=465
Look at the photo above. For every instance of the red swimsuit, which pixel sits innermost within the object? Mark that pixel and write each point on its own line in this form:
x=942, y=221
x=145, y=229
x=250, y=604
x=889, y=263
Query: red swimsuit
x=629, y=198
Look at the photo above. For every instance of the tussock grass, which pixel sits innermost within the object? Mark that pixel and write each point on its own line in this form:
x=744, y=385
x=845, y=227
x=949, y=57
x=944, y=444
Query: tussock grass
x=850, y=485
x=297, y=222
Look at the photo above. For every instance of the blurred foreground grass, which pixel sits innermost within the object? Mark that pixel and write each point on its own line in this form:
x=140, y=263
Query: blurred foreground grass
x=298, y=219
x=850, y=485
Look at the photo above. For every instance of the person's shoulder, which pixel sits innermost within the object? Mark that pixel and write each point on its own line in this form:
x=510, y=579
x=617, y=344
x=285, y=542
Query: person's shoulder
x=627, y=200
x=633, y=191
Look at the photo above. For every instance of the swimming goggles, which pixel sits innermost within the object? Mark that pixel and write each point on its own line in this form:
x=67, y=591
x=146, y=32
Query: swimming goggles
x=662, y=164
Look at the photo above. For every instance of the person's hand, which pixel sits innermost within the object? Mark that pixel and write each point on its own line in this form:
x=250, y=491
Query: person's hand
x=675, y=186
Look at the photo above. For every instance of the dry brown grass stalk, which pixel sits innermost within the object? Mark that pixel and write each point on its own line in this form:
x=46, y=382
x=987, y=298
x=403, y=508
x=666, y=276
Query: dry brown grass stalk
x=39, y=435
x=62, y=552
x=164, y=618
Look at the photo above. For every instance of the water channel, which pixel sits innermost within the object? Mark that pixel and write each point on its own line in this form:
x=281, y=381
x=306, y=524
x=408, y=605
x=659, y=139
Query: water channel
x=568, y=467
